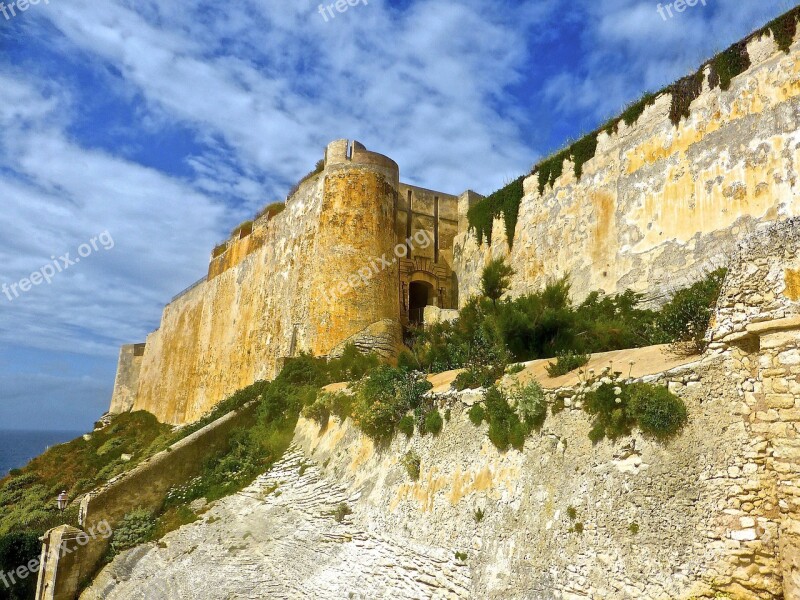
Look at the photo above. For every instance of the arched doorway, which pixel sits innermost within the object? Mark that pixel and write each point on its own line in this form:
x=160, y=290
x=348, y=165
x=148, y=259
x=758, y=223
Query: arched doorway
x=420, y=295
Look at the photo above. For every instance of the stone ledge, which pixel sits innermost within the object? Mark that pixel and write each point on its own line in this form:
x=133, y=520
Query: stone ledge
x=760, y=329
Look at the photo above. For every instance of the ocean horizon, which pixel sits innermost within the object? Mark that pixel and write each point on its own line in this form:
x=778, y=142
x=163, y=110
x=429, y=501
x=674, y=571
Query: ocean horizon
x=18, y=447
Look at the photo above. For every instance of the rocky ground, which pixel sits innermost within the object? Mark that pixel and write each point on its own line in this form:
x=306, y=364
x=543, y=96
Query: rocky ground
x=280, y=538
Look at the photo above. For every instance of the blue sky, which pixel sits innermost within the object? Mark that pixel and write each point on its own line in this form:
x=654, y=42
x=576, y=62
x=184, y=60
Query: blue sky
x=165, y=124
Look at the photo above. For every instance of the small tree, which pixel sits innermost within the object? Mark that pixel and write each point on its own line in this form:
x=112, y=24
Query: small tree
x=496, y=279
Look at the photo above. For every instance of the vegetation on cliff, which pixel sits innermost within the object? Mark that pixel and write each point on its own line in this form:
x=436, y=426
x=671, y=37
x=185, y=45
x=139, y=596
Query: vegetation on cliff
x=618, y=407
x=722, y=68
x=487, y=336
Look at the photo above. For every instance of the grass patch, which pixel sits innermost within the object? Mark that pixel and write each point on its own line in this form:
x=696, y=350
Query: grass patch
x=619, y=407
x=505, y=202
x=341, y=512
x=413, y=464
x=567, y=362
x=433, y=422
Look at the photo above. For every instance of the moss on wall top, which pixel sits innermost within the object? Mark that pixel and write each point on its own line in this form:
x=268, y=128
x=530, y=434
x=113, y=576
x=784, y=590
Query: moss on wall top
x=506, y=201
x=721, y=71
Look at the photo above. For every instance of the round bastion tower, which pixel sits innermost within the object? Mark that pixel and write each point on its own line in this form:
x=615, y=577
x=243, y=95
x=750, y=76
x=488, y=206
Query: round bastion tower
x=355, y=281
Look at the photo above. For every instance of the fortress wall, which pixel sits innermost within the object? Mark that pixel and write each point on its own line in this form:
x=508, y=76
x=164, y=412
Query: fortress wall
x=356, y=228
x=126, y=384
x=660, y=205
x=233, y=329
x=296, y=283
x=684, y=497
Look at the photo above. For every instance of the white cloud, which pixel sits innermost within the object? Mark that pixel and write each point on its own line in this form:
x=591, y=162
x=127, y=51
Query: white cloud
x=61, y=195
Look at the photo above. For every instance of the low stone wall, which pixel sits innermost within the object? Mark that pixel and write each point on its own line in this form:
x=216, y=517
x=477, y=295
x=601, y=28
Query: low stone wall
x=145, y=487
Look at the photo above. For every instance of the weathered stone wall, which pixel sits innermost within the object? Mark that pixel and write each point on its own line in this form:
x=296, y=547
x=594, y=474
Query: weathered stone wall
x=683, y=496
x=67, y=564
x=714, y=510
x=323, y=273
x=758, y=323
x=232, y=330
x=126, y=384
x=660, y=205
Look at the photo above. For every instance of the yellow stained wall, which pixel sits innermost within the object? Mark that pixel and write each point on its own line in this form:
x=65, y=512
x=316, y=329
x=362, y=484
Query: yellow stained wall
x=660, y=205
x=233, y=329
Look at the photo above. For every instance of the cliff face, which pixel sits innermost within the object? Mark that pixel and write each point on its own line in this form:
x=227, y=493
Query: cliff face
x=661, y=204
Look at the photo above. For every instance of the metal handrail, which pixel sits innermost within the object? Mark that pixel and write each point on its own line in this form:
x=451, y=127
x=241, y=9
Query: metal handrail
x=189, y=289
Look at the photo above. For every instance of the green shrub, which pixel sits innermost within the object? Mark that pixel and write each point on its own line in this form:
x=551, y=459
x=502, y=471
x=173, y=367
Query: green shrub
x=408, y=361
x=474, y=377
x=566, y=362
x=461, y=556
x=530, y=404
x=505, y=427
x=433, y=422
x=384, y=397
x=686, y=317
x=413, y=464
x=658, y=411
x=134, y=529
x=572, y=513
x=16, y=550
x=610, y=406
x=352, y=365
x=406, y=426
x=341, y=512
x=479, y=515
x=618, y=407
x=341, y=404
x=515, y=368
x=477, y=414
x=578, y=528
x=633, y=528
x=496, y=279
x=320, y=411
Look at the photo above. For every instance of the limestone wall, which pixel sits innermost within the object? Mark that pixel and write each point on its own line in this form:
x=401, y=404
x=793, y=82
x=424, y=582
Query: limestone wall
x=232, y=330
x=293, y=283
x=659, y=205
x=126, y=384
x=682, y=497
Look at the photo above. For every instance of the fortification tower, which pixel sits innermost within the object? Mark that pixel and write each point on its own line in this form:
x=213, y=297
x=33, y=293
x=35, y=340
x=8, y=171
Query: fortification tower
x=354, y=294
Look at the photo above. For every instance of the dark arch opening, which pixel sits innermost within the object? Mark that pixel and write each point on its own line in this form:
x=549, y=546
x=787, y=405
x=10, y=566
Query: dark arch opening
x=420, y=295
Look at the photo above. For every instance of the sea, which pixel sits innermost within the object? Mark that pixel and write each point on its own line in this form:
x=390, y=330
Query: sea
x=19, y=447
